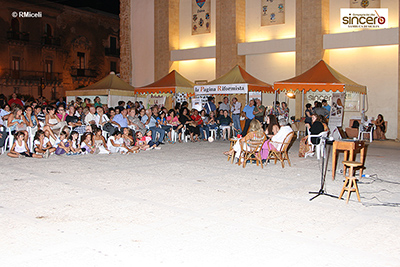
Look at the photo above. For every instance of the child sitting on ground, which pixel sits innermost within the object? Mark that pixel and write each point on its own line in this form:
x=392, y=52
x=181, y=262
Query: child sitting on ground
x=116, y=144
x=75, y=147
x=20, y=149
x=62, y=144
x=141, y=141
x=99, y=142
x=150, y=141
x=129, y=141
x=86, y=144
x=42, y=145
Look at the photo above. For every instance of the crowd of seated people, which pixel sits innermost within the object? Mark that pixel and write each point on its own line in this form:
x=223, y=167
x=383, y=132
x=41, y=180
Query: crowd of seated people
x=82, y=127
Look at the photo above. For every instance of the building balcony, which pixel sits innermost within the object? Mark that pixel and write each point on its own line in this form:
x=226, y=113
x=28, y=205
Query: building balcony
x=18, y=36
x=26, y=76
x=51, y=41
x=75, y=72
x=112, y=52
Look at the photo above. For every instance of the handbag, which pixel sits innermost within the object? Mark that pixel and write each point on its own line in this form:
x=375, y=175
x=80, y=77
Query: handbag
x=108, y=127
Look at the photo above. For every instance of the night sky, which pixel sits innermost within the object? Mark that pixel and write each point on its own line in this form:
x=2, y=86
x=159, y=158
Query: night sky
x=110, y=6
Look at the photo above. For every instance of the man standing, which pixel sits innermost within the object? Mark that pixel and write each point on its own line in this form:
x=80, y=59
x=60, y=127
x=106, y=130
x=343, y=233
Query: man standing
x=326, y=106
x=259, y=111
x=235, y=109
x=150, y=121
x=210, y=106
x=248, y=112
x=225, y=104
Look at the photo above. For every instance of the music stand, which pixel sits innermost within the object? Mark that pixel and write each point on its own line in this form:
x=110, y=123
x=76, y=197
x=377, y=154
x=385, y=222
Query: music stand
x=321, y=191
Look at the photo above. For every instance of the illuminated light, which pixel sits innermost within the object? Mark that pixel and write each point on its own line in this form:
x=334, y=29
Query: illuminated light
x=290, y=94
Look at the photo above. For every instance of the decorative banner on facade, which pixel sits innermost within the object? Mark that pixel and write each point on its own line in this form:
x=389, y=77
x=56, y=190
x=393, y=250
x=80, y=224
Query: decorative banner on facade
x=201, y=20
x=155, y=100
x=221, y=89
x=364, y=17
x=365, y=3
x=272, y=12
x=337, y=109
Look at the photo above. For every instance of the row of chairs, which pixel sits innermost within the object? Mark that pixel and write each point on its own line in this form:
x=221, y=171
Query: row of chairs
x=251, y=151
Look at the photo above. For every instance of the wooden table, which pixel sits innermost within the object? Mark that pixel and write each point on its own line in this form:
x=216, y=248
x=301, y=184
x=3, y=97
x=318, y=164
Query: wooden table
x=348, y=146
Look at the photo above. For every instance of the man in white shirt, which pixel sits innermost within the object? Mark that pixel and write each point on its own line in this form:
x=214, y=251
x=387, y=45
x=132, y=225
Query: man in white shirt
x=90, y=118
x=235, y=109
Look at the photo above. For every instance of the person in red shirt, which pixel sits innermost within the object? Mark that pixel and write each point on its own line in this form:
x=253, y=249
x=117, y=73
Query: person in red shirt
x=198, y=121
x=15, y=100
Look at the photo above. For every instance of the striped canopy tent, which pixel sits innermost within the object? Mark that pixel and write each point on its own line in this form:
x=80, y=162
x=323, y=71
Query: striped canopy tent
x=168, y=85
x=320, y=77
x=111, y=89
x=236, y=81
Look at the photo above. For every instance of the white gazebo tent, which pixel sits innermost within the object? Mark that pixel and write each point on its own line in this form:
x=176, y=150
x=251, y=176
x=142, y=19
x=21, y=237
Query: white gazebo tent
x=110, y=89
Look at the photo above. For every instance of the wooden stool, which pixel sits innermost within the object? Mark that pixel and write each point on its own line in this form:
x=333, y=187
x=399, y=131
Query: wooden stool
x=350, y=184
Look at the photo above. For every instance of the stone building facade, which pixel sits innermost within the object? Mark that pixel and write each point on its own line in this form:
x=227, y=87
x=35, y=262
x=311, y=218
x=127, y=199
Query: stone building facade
x=158, y=37
x=54, y=48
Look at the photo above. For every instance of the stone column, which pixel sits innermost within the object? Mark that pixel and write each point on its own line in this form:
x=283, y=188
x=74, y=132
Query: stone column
x=166, y=35
x=398, y=91
x=312, y=22
x=125, y=41
x=230, y=31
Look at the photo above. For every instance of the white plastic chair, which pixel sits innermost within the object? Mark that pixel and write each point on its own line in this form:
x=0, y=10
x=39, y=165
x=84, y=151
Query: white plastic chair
x=365, y=130
x=318, y=148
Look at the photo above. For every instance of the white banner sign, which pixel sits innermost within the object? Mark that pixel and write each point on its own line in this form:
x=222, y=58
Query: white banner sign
x=364, y=17
x=221, y=89
x=337, y=108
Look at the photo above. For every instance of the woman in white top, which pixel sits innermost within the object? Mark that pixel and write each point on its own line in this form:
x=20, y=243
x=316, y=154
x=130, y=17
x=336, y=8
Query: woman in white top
x=53, y=122
x=101, y=118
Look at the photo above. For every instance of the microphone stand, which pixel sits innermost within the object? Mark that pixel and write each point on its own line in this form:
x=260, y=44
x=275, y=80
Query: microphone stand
x=323, y=171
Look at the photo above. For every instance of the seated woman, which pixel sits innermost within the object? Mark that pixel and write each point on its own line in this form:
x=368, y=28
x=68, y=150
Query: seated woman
x=315, y=128
x=255, y=133
x=173, y=120
x=53, y=122
x=272, y=125
x=197, y=123
x=380, y=127
x=204, y=129
x=31, y=120
x=17, y=122
x=212, y=121
x=162, y=121
x=190, y=124
x=225, y=123
x=277, y=138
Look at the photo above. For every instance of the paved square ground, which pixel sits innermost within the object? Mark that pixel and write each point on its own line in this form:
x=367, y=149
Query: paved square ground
x=185, y=205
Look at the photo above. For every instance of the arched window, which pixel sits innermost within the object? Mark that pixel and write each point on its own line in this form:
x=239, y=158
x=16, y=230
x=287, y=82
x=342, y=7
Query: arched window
x=15, y=25
x=48, y=31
